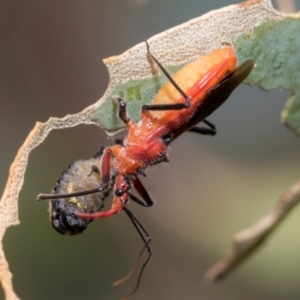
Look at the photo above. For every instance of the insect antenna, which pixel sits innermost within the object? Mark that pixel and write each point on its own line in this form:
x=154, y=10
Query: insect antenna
x=135, y=266
x=146, y=238
x=174, y=106
x=166, y=73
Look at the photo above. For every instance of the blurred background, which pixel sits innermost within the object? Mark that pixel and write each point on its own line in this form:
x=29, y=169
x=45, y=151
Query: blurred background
x=51, y=65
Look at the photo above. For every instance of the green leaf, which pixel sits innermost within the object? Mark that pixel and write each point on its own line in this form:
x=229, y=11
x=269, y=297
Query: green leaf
x=275, y=48
x=253, y=28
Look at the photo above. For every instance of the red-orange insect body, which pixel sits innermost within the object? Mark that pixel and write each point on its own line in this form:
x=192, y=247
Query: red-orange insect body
x=196, y=79
x=188, y=97
x=144, y=145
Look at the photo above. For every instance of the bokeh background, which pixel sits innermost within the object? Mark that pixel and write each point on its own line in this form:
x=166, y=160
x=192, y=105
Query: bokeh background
x=51, y=65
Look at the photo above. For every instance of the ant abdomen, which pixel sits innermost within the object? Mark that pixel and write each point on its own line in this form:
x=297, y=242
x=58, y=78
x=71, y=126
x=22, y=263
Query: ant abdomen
x=63, y=211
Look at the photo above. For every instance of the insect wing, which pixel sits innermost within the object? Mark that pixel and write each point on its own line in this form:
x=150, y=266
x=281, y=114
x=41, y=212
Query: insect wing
x=218, y=95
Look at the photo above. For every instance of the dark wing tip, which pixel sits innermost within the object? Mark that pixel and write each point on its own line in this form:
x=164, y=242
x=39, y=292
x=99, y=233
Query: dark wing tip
x=243, y=71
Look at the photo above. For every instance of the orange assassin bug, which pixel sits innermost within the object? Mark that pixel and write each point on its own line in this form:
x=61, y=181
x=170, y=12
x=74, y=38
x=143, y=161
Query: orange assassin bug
x=189, y=96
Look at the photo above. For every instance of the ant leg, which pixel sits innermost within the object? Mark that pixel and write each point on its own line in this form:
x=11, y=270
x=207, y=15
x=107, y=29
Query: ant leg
x=122, y=110
x=94, y=169
x=173, y=106
x=146, y=238
x=100, y=152
x=202, y=130
x=146, y=200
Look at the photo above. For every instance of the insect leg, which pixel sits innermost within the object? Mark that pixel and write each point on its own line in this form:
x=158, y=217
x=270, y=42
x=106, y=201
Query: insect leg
x=202, y=130
x=146, y=200
x=173, y=106
x=100, y=152
x=122, y=110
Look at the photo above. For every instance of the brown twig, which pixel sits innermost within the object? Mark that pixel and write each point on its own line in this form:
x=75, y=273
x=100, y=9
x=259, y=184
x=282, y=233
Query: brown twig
x=248, y=240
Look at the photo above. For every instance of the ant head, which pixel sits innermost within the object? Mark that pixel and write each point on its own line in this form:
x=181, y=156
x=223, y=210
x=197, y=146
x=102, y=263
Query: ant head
x=64, y=219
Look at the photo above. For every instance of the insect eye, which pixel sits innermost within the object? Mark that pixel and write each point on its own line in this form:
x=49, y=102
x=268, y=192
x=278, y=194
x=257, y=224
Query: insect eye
x=119, y=192
x=167, y=139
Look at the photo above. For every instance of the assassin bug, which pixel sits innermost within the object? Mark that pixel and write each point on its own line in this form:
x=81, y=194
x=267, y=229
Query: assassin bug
x=189, y=96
